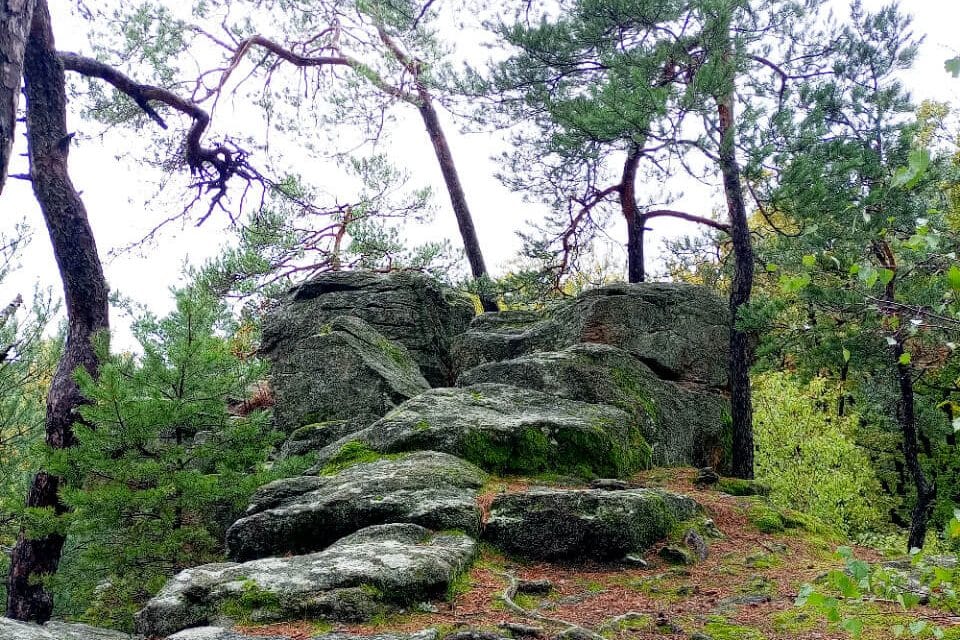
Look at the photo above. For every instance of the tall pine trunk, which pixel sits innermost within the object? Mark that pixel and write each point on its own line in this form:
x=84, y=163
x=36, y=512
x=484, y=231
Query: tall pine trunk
x=15, y=17
x=85, y=293
x=451, y=178
x=631, y=214
x=741, y=404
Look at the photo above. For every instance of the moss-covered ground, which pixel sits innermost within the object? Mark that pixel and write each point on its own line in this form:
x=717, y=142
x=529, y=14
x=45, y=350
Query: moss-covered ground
x=745, y=590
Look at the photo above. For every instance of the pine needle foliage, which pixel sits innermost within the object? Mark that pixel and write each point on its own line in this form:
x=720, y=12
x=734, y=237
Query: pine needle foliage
x=161, y=465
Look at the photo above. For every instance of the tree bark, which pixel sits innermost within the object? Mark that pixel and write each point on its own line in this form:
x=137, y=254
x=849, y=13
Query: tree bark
x=907, y=417
x=86, y=297
x=458, y=198
x=635, y=221
x=741, y=404
x=15, y=17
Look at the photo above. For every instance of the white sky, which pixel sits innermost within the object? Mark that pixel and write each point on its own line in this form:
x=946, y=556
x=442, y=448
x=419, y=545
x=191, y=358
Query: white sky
x=115, y=193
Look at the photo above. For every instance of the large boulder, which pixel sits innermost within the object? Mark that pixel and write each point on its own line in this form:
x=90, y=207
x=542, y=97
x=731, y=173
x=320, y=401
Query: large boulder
x=344, y=370
x=16, y=630
x=406, y=307
x=365, y=574
x=301, y=515
x=505, y=429
x=685, y=424
x=553, y=524
x=680, y=331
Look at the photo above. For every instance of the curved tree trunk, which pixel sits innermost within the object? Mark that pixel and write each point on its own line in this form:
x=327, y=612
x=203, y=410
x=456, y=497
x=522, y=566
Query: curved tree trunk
x=85, y=292
x=15, y=17
x=458, y=198
x=741, y=404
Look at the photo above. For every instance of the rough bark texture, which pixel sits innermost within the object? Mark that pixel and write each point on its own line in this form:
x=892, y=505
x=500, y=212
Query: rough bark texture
x=15, y=18
x=741, y=404
x=907, y=417
x=635, y=221
x=85, y=293
x=457, y=196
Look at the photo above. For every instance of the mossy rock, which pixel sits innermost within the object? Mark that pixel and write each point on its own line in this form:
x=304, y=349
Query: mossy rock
x=507, y=430
x=683, y=423
x=376, y=570
x=346, y=372
x=306, y=514
x=742, y=487
x=557, y=524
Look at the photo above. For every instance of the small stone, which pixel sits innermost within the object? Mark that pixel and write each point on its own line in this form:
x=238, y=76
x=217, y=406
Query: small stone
x=675, y=555
x=609, y=484
x=575, y=633
x=711, y=530
x=473, y=634
x=428, y=607
x=522, y=630
x=696, y=544
x=700, y=635
x=636, y=560
x=706, y=477
x=535, y=587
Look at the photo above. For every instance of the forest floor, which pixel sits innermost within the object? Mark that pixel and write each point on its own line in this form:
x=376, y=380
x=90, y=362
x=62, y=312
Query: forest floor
x=744, y=590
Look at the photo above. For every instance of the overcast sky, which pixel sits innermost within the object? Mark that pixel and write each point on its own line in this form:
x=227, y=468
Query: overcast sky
x=116, y=193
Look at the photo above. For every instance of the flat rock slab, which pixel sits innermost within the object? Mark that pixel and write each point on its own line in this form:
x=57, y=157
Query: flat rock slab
x=554, y=524
x=344, y=370
x=505, y=429
x=301, y=515
x=15, y=630
x=684, y=423
x=370, y=572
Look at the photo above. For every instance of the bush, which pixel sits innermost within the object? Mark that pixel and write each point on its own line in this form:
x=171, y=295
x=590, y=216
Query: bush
x=808, y=455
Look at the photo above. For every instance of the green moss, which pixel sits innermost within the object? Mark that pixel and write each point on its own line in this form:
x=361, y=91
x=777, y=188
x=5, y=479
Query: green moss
x=460, y=585
x=720, y=629
x=741, y=487
x=325, y=329
x=793, y=621
x=252, y=601
x=631, y=385
x=422, y=425
x=581, y=453
x=394, y=352
x=371, y=591
x=352, y=454
x=763, y=560
x=765, y=518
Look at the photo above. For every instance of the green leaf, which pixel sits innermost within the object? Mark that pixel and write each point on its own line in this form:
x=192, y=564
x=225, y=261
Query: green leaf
x=909, y=176
x=916, y=628
x=953, y=66
x=853, y=626
x=772, y=268
x=886, y=276
x=846, y=355
x=953, y=277
x=905, y=358
x=809, y=261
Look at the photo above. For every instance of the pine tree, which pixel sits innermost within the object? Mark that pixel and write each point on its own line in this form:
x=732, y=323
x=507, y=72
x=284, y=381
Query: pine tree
x=161, y=465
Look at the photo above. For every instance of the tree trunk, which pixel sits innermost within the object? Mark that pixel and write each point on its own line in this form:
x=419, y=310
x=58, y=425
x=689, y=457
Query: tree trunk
x=15, y=16
x=741, y=405
x=458, y=198
x=635, y=220
x=85, y=293
x=907, y=417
